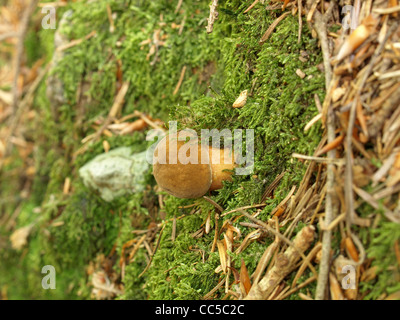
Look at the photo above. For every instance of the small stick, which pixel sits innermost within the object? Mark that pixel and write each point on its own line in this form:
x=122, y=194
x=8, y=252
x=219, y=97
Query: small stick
x=244, y=208
x=52, y=4
x=282, y=204
x=304, y=296
x=155, y=250
x=216, y=217
x=299, y=4
x=178, y=6
x=213, y=16
x=320, y=27
x=332, y=145
x=251, y=6
x=302, y=285
x=173, y=235
x=302, y=268
x=23, y=105
x=386, y=10
x=180, y=80
x=272, y=27
x=218, y=286
x=334, y=223
x=262, y=264
x=373, y=203
x=216, y=205
x=74, y=43
x=318, y=103
x=319, y=159
x=268, y=192
x=20, y=50
x=312, y=121
x=116, y=107
x=182, y=25
x=330, y=210
x=147, y=120
x=110, y=18
x=11, y=34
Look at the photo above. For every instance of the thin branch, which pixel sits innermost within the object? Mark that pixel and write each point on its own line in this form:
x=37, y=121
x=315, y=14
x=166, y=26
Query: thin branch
x=178, y=6
x=251, y=6
x=20, y=50
x=7, y=35
x=23, y=105
x=299, y=4
x=213, y=16
x=330, y=209
x=320, y=27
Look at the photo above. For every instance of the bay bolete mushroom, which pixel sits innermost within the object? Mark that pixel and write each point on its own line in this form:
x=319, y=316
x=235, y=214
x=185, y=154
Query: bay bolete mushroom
x=188, y=169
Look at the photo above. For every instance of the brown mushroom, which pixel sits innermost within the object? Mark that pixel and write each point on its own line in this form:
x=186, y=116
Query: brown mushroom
x=192, y=169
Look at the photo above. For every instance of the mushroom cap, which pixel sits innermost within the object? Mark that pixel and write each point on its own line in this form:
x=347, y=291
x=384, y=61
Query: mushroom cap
x=221, y=160
x=182, y=180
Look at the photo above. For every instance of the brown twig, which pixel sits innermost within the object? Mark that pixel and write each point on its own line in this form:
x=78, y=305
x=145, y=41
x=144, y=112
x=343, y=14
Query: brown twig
x=300, y=7
x=213, y=16
x=251, y=6
x=11, y=34
x=20, y=50
x=180, y=80
x=154, y=252
x=272, y=27
x=23, y=105
x=320, y=27
x=178, y=6
x=330, y=211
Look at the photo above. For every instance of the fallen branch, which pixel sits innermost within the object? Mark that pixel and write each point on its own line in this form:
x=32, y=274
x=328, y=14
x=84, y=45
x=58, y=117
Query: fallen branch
x=284, y=264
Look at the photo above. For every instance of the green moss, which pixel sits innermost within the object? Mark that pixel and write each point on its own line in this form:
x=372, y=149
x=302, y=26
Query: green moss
x=381, y=249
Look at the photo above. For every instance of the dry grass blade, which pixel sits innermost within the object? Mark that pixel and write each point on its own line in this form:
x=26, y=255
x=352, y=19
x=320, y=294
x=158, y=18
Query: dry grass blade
x=268, y=192
x=331, y=145
x=214, y=290
x=370, y=200
x=223, y=256
x=216, y=205
x=154, y=252
x=254, y=235
x=335, y=289
x=262, y=264
x=136, y=248
x=76, y=42
x=303, y=266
